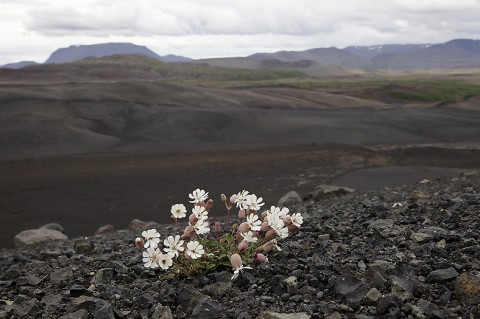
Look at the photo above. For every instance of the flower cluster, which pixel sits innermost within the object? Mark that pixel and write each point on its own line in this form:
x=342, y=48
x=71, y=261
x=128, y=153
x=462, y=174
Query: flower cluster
x=199, y=249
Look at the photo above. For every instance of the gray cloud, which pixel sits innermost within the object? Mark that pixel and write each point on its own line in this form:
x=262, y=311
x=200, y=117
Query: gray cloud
x=231, y=27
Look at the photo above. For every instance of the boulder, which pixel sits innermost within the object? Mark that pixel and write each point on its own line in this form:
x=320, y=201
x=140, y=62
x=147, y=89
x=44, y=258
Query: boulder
x=290, y=200
x=33, y=236
x=326, y=191
x=107, y=229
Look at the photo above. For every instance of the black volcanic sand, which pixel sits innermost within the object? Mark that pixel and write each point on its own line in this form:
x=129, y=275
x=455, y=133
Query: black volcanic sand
x=83, y=193
x=403, y=252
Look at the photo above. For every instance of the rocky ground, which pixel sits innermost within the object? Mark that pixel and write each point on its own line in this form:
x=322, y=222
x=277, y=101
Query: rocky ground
x=406, y=252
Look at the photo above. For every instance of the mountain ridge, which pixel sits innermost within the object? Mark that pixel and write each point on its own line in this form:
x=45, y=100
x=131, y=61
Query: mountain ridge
x=456, y=53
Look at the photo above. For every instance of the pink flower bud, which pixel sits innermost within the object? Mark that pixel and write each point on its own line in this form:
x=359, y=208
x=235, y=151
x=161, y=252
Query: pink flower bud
x=265, y=226
x=241, y=213
x=259, y=257
x=173, y=218
x=209, y=204
x=244, y=227
x=265, y=248
x=217, y=227
x=139, y=242
x=287, y=220
x=271, y=234
x=243, y=246
x=236, y=261
x=223, y=197
x=187, y=256
x=189, y=232
x=292, y=228
x=233, y=199
x=263, y=215
x=192, y=219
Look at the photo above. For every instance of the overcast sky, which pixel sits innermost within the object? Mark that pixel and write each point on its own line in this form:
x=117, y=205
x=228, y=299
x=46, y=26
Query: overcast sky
x=32, y=29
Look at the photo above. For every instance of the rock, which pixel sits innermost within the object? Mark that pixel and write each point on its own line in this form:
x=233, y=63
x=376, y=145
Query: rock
x=442, y=275
x=61, y=276
x=371, y=297
x=291, y=284
x=467, y=288
x=290, y=200
x=83, y=246
x=162, y=312
x=277, y=315
x=380, y=223
x=53, y=226
x=190, y=297
x=208, y=309
x=419, y=237
x=103, y=277
x=25, y=307
x=324, y=237
x=401, y=287
x=352, y=288
x=107, y=229
x=80, y=314
x=103, y=310
x=385, y=303
x=335, y=315
x=34, y=236
x=434, y=231
x=326, y=191
x=137, y=225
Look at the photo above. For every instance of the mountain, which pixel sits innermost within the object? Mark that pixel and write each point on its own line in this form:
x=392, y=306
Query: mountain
x=18, y=65
x=369, y=52
x=323, y=56
x=78, y=52
x=459, y=53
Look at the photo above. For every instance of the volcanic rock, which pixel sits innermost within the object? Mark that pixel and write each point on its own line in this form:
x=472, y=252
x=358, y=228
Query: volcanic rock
x=34, y=236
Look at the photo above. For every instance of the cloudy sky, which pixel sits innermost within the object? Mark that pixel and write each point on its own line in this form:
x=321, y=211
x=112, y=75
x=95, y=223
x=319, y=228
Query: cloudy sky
x=32, y=29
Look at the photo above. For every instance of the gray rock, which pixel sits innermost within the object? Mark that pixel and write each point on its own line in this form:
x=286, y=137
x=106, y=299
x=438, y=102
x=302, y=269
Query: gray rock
x=326, y=191
x=103, y=277
x=380, y=223
x=442, y=275
x=25, y=307
x=208, y=309
x=137, y=225
x=352, y=288
x=83, y=246
x=53, y=226
x=34, y=236
x=387, y=302
x=107, y=229
x=291, y=283
x=419, y=237
x=467, y=288
x=277, y=315
x=103, y=310
x=401, y=287
x=371, y=297
x=290, y=200
x=62, y=275
x=162, y=312
x=190, y=297
x=80, y=314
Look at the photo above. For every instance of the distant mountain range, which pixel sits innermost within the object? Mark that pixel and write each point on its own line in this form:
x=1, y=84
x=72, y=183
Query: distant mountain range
x=459, y=53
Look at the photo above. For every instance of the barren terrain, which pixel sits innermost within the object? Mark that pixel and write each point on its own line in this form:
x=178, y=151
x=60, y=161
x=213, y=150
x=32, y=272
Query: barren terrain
x=87, y=150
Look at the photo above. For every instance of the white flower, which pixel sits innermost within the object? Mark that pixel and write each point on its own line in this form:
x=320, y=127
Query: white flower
x=254, y=222
x=173, y=246
x=297, y=219
x=152, y=238
x=200, y=212
x=194, y=249
x=242, y=199
x=198, y=196
x=275, y=245
x=275, y=214
x=201, y=227
x=178, y=211
x=254, y=203
x=248, y=236
x=150, y=257
x=164, y=261
x=237, y=265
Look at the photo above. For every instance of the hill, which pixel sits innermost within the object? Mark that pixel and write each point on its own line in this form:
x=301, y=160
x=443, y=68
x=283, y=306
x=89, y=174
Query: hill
x=79, y=52
x=460, y=53
x=18, y=65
